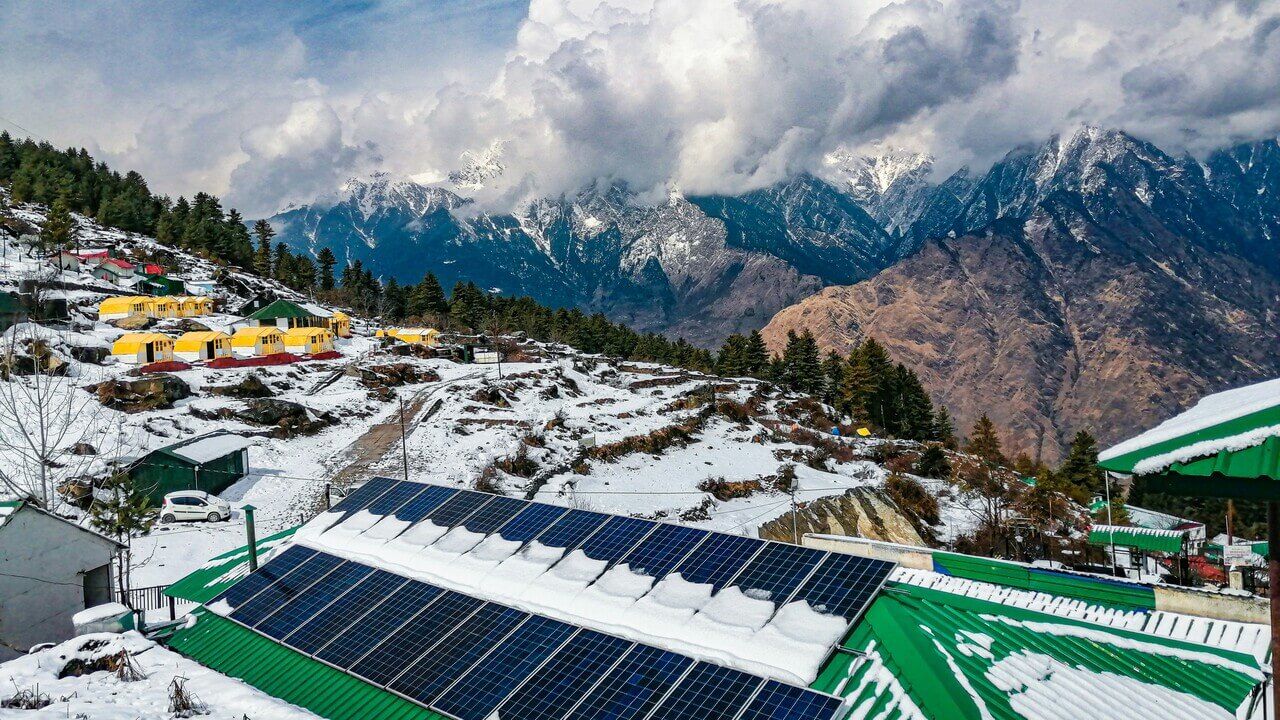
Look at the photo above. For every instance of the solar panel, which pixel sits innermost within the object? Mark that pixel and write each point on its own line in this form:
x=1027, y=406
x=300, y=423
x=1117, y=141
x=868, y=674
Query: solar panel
x=393, y=499
x=570, y=530
x=492, y=679
x=779, y=569
x=552, y=691
x=531, y=521
x=361, y=497
x=344, y=611
x=779, y=701
x=657, y=554
x=280, y=591
x=416, y=637
x=435, y=671
x=844, y=584
x=494, y=514
x=457, y=508
x=298, y=610
x=254, y=583
x=708, y=691
x=719, y=559
x=422, y=505
x=631, y=689
x=379, y=623
x=616, y=538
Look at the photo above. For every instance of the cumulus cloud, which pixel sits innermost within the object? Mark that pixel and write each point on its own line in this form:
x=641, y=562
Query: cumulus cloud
x=717, y=96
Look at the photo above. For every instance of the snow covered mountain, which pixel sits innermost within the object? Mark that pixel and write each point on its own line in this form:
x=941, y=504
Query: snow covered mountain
x=701, y=267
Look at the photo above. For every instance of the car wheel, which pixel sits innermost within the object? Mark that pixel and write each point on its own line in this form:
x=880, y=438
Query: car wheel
x=214, y=517
x=167, y=518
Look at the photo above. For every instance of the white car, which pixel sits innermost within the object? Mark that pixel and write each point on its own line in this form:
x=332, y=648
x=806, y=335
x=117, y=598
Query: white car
x=194, y=505
x=337, y=494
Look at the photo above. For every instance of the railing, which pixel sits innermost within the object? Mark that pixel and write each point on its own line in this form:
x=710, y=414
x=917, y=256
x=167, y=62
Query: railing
x=149, y=598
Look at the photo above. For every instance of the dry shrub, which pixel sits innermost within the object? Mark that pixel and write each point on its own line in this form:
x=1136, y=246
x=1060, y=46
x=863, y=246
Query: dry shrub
x=520, y=464
x=722, y=489
x=26, y=699
x=184, y=703
x=737, y=412
x=487, y=481
x=653, y=443
x=912, y=498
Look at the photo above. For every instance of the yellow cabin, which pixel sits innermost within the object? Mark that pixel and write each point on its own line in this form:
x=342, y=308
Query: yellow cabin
x=340, y=324
x=257, y=341
x=388, y=332
x=142, y=348
x=116, y=308
x=425, y=336
x=164, y=307
x=203, y=346
x=191, y=306
x=308, y=340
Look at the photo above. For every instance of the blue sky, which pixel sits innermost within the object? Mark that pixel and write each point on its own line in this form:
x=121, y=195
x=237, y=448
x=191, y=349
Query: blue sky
x=271, y=103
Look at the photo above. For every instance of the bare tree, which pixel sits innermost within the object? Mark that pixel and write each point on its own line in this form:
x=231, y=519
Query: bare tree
x=43, y=415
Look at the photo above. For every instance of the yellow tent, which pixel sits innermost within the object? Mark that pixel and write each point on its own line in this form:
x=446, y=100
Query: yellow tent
x=197, y=346
x=426, y=336
x=250, y=341
x=115, y=308
x=341, y=324
x=142, y=348
x=308, y=340
x=191, y=306
x=388, y=332
x=164, y=307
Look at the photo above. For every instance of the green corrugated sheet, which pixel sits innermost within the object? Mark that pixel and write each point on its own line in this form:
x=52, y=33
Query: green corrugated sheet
x=1249, y=464
x=912, y=639
x=281, y=672
x=1138, y=539
x=221, y=572
x=281, y=309
x=1101, y=591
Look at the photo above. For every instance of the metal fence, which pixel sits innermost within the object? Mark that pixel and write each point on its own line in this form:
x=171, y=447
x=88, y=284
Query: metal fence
x=148, y=598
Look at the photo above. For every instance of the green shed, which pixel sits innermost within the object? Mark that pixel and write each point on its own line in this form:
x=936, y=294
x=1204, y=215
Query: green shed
x=284, y=314
x=164, y=285
x=211, y=462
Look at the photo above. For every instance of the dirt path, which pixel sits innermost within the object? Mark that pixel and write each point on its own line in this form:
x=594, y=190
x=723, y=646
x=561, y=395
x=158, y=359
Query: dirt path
x=369, y=449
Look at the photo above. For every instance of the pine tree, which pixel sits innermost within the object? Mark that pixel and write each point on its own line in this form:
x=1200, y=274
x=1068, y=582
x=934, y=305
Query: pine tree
x=393, y=300
x=984, y=442
x=1081, y=466
x=427, y=298
x=756, y=354
x=944, y=428
x=460, y=310
x=914, y=409
x=857, y=386
x=280, y=261
x=731, y=361
x=327, y=263
x=832, y=376
x=58, y=228
x=262, y=258
x=933, y=463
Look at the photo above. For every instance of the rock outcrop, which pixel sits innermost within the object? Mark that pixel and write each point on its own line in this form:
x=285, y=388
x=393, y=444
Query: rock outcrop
x=152, y=392
x=860, y=512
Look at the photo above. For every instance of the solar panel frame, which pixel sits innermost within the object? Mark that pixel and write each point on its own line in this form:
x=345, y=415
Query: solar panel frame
x=491, y=680
x=415, y=638
x=734, y=553
x=617, y=537
x=555, y=688
x=374, y=627
x=613, y=695
x=340, y=614
x=286, y=588
x=433, y=673
x=494, y=514
x=315, y=598
x=425, y=503
x=707, y=691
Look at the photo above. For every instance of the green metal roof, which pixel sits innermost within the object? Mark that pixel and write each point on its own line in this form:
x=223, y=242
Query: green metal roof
x=281, y=309
x=1148, y=539
x=282, y=672
x=1230, y=428
x=221, y=572
x=925, y=653
x=1094, y=589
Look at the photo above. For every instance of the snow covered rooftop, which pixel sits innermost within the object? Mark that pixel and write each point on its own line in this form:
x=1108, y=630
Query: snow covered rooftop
x=210, y=447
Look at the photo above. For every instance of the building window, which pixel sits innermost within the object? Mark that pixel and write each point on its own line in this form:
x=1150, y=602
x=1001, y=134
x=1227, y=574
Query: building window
x=97, y=586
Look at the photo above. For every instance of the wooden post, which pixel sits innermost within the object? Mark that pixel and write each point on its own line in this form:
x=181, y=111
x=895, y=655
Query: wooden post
x=253, y=541
x=1273, y=592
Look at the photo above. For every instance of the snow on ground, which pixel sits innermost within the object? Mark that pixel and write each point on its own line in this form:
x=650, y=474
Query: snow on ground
x=103, y=696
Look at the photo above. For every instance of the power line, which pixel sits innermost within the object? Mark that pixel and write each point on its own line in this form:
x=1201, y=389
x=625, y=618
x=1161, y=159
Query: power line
x=35, y=135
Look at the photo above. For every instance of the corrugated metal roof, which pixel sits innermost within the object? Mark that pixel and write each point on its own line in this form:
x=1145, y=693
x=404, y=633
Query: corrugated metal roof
x=924, y=653
x=281, y=309
x=221, y=572
x=279, y=671
x=1140, y=538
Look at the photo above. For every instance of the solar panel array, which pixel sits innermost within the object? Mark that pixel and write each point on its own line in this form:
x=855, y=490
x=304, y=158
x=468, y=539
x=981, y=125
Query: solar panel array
x=832, y=583
x=467, y=658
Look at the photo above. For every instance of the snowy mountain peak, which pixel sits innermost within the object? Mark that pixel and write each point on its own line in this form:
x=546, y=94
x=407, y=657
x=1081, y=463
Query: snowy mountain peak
x=868, y=176
x=383, y=191
x=478, y=168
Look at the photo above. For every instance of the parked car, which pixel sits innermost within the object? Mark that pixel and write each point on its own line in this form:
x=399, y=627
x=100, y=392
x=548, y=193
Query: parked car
x=194, y=505
x=336, y=494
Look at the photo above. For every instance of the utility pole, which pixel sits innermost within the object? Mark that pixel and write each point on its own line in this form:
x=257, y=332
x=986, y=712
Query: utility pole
x=1106, y=483
x=404, y=443
x=795, y=535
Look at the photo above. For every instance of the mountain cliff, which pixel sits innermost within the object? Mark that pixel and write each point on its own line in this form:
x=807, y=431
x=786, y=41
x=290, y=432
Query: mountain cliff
x=1093, y=282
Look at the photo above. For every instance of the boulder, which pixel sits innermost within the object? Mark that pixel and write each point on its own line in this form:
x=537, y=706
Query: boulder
x=133, y=322
x=152, y=392
x=29, y=357
x=83, y=448
x=250, y=387
x=94, y=354
x=285, y=418
x=860, y=512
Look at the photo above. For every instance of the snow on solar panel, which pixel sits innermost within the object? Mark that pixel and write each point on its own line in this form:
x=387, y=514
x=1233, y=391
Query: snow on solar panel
x=492, y=679
x=551, y=692
x=769, y=609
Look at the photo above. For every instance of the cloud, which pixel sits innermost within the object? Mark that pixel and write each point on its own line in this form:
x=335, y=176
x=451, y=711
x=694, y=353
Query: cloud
x=283, y=103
